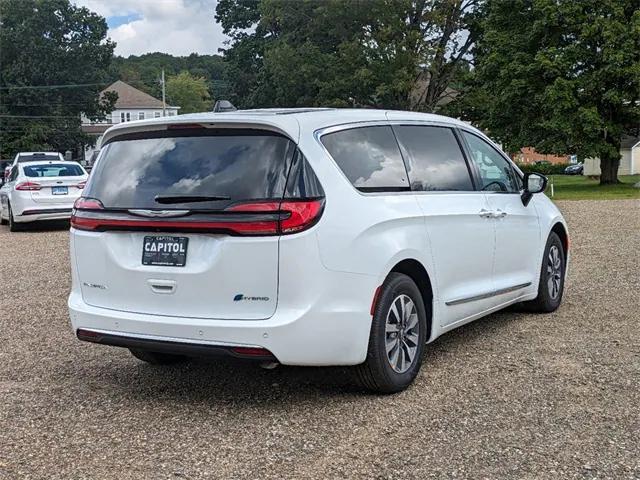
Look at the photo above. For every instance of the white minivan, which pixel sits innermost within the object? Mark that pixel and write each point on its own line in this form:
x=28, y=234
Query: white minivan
x=307, y=237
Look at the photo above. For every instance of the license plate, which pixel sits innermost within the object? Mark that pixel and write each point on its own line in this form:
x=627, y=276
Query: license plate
x=165, y=250
x=59, y=190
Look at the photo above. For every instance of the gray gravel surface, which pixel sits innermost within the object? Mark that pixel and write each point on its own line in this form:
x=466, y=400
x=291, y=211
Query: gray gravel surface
x=511, y=396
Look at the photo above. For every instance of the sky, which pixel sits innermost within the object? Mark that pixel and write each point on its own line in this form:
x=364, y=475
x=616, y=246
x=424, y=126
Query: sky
x=178, y=27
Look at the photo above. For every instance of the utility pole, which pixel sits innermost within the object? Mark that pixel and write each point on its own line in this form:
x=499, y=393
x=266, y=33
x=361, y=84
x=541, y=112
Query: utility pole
x=164, y=103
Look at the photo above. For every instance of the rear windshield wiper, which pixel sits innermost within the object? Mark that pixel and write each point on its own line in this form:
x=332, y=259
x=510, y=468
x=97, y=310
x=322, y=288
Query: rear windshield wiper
x=166, y=199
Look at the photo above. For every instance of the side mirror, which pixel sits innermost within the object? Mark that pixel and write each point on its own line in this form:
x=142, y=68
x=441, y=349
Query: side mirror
x=533, y=183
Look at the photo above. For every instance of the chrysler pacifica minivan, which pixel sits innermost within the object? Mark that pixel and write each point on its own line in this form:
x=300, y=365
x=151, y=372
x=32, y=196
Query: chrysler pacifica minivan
x=307, y=237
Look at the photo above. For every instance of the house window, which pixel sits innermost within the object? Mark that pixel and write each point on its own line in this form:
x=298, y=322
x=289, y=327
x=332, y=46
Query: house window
x=140, y=115
x=171, y=113
x=125, y=117
x=156, y=114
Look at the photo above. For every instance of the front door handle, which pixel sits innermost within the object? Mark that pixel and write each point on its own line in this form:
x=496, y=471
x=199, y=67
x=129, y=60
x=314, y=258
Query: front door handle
x=499, y=214
x=484, y=213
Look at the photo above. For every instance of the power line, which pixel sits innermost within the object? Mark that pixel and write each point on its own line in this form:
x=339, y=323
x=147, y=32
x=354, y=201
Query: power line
x=39, y=116
x=45, y=87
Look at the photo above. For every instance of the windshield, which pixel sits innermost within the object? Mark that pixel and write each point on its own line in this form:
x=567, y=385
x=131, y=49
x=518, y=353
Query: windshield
x=53, y=170
x=225, y=165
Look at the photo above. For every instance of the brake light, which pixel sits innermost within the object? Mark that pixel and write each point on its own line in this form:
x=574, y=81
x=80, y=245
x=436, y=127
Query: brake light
x=28, y=186
x=84, y=203
x=296, y=216
x=255, y=218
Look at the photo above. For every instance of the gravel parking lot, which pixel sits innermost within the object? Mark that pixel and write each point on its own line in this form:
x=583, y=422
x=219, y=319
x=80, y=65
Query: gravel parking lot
x=510, y=396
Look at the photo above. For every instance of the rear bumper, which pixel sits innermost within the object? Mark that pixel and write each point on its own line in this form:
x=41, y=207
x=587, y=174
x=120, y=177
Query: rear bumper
x=39, y=214
x=333, y=330
x=168, y=346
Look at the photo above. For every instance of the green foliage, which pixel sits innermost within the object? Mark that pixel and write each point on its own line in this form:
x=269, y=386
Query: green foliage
x=45, y=43
x=379, y=53
x=143, y=72
x=559, y=75
x=188, y=92
x=544, y=168
x=577, y=187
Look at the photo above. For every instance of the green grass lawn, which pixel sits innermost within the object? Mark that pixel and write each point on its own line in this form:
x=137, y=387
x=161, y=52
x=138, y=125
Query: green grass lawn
x=577, y=187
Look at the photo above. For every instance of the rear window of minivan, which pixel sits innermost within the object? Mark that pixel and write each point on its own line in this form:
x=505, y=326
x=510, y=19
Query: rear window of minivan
x=237, y=164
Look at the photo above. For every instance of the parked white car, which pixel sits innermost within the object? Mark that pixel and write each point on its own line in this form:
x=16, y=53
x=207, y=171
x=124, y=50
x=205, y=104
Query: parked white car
x=40, y=190
x=307, y=237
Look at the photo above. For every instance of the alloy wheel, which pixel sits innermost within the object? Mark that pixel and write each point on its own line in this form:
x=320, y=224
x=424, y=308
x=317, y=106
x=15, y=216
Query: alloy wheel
x=402, y=333
x=554, y=272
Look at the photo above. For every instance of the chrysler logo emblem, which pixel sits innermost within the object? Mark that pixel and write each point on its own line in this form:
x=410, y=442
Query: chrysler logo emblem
x=159, y=213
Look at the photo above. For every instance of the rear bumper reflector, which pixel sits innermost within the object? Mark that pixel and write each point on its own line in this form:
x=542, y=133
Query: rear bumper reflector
x=176, y=348
x=47, y=211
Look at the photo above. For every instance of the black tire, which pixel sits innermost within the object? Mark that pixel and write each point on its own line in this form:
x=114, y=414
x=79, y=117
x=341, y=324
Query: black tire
x=13, y=226
x=546, y=301
x=376, y=373
x=156, y=358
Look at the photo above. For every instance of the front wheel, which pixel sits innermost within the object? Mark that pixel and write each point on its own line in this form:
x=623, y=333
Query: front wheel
x=397, y=339
x=552, y=274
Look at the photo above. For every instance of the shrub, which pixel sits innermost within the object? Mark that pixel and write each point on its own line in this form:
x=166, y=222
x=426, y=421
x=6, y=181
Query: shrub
x=543, y=168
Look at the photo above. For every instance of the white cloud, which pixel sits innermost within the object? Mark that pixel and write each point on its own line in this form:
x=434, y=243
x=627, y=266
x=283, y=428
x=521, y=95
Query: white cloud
x=178, y=27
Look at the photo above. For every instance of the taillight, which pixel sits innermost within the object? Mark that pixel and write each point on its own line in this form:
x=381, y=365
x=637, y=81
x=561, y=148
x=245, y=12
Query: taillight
x=80, y=185
x=84, y=203
x=295, y=216
x=28, y=186
x=249, y=218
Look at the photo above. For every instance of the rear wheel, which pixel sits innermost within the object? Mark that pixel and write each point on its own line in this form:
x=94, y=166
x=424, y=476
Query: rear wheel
x=13, y=226
x=552, y=273
x=397, y=338
x=156, y=358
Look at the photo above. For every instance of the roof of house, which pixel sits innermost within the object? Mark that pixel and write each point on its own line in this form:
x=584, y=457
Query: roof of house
x=130, y=97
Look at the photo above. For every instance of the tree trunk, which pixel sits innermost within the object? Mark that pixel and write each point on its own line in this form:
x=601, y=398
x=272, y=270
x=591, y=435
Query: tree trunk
x=609, y=169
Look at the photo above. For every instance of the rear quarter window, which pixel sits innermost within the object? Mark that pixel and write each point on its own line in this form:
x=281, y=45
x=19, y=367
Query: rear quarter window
x=369, y=157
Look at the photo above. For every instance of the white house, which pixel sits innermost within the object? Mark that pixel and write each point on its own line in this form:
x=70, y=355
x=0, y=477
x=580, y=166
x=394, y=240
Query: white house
x=629, y=159
x=132, y=104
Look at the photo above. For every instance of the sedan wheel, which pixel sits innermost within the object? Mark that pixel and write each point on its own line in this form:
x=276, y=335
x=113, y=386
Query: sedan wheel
x=13, y=226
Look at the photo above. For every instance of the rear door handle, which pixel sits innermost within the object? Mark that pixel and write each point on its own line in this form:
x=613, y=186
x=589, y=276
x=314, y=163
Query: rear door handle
x=484, y=213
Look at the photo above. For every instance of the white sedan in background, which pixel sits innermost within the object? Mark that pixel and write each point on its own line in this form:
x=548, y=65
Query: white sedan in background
x=41, y=190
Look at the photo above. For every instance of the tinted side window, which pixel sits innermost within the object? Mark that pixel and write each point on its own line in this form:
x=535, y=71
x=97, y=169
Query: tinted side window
x=434, y=158
x=369, y=157
x=495, y=172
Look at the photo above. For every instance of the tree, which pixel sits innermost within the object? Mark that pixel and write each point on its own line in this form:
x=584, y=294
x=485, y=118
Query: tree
x=143, y=71
x=53, y=64
x=383, y=53
x=558, y=75
x=188, y=92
